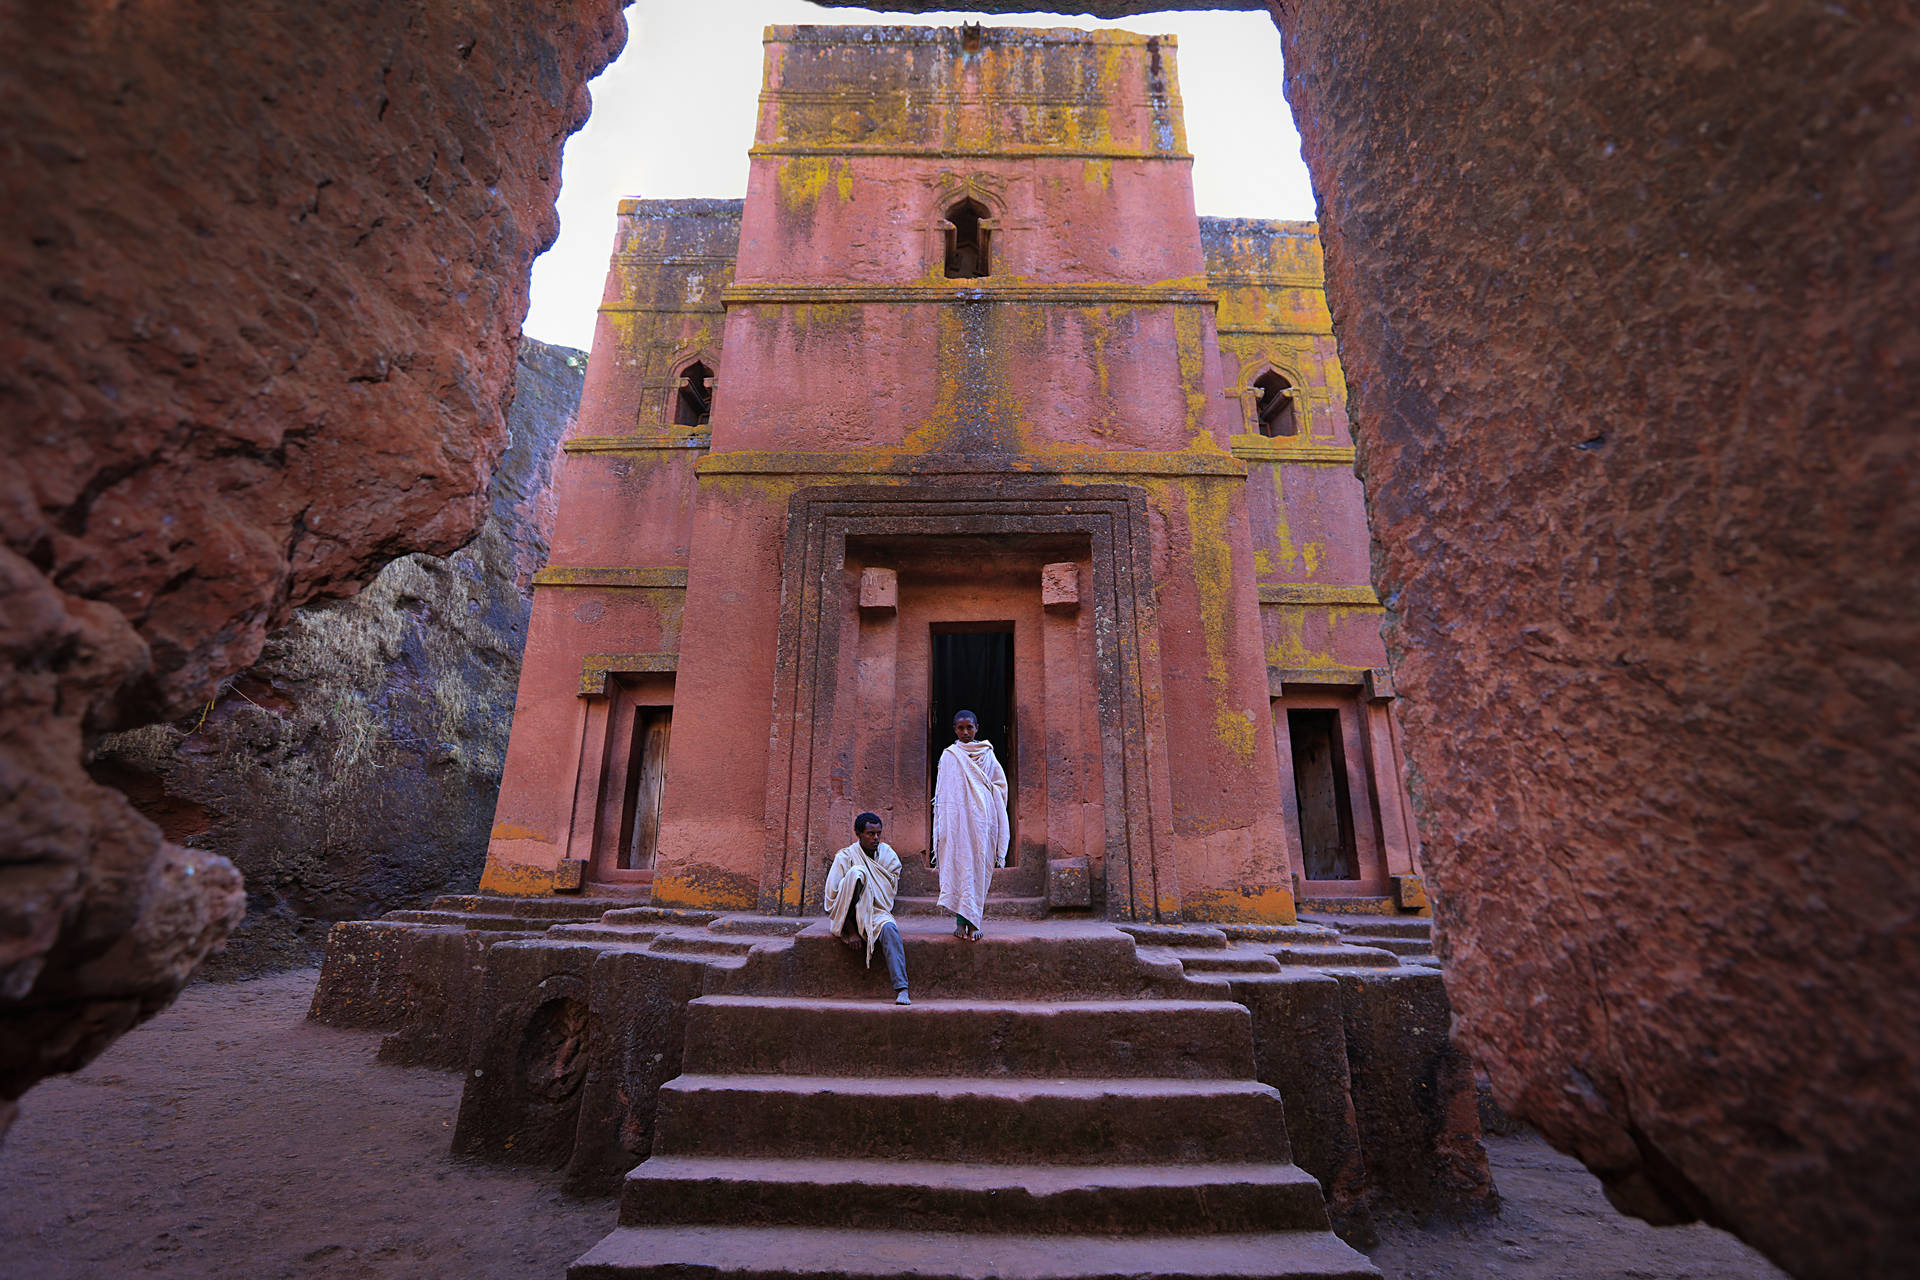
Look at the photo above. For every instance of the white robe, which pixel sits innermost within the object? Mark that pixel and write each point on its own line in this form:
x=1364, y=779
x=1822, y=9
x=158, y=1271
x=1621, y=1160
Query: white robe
x=880, y=873
x=970, y=827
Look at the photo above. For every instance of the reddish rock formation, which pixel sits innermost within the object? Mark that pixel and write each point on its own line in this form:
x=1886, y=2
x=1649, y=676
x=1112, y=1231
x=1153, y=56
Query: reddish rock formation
x=354, y=768
x=265, y=273
x=1625, y=296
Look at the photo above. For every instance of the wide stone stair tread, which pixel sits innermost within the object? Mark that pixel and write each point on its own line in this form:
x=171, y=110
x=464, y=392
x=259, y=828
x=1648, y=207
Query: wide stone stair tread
x=1380, y=926
x=1398, y=945
x=1071, y=1121
x=1334, y=956
x=932, y=1196
x=704, y=943
x=600, y=931
x=469, y=920
x=555, y=908
x=764, y=1253
x=918, y=880
x=1010, y=965
x=1232, y=960
x=998, y=908
x=790, y=1035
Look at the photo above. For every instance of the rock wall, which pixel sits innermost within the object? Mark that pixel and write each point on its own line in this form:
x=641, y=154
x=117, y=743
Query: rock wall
x=1625, y=297
x=354, y=767
x=264, y=273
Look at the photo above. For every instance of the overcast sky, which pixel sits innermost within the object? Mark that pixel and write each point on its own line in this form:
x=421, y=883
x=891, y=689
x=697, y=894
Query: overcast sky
x=674, y=116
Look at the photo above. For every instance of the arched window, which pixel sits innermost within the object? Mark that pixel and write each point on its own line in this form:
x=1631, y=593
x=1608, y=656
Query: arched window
x=967, y=241
x=1274, y=405
x=693, y=403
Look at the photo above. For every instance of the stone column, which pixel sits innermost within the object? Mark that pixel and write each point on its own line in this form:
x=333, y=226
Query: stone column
x=1069, y=874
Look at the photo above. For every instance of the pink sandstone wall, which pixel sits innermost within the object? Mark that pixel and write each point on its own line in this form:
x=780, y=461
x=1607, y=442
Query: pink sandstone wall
x=611, y=597
x=265, y=274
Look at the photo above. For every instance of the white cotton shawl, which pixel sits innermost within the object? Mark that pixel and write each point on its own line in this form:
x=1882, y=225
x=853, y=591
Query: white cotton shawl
x=970, y=828
x=880, y=872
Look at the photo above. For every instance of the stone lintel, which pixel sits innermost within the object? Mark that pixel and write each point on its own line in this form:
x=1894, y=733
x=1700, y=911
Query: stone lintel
x=596, y=667
x=864, y=463
x=1255, y=448
x=1282, y=680
x=617, y=576
x=1316, y=593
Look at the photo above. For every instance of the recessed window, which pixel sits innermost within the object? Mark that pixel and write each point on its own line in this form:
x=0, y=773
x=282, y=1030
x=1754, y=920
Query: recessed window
x=967, y=241
x=1273, y=405
x=693, y=403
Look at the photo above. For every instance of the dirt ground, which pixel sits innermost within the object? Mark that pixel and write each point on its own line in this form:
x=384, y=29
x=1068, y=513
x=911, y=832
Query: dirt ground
x=229, y=1137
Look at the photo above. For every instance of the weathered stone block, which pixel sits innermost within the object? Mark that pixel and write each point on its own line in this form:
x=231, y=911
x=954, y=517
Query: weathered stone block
x=1413, y=1093
x=1060, y=587
x=879, y=590
x=1410, y=893
x=363, y=980
x=1069, y=882
x=1300, y=1048
x=443, y=972
x=636, y=1038
x=529, y=1060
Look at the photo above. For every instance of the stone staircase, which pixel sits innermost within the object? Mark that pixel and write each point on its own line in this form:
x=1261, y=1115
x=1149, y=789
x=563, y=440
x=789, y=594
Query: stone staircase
x=1409, y=937
x=1057, y=1102
x=1015, y=893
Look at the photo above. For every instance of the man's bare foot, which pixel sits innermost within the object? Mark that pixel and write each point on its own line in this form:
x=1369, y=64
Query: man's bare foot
x=901, y=998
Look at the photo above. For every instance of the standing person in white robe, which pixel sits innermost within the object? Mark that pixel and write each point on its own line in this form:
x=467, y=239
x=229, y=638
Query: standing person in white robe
x=860, y=887
x=970, y=828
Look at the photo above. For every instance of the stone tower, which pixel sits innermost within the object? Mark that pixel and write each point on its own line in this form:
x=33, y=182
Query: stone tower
x=962, y=406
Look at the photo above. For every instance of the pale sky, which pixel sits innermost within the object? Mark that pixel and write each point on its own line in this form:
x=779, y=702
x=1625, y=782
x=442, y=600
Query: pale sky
x=674, y=115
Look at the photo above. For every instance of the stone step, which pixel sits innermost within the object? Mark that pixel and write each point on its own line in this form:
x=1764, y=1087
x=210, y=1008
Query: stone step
x=998, y=908
x=1379, y=926
x=1028, y=880
x=469, y=920
x=704, y=943
x=1347, y=907
x=1182, y=936
x=1306, y=932
x=945, y=1118
x=1015, y=966
x=554, y=908
x=660, y=915
x=1224, y=961
x=1399, y=946
x=768, y=1253
x=599, y=931
x=876, y=1195
x=1334, y=956
x=771, y=1035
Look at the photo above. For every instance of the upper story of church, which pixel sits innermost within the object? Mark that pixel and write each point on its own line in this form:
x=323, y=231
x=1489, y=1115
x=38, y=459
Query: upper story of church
x=965, y=242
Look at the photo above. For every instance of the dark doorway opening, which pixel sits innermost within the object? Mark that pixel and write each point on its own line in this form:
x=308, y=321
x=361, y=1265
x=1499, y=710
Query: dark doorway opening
x=1274, y=408
x=646, y=785
x=971, y=669
x=693, y=404
x=1320, y=785
x=968, y=242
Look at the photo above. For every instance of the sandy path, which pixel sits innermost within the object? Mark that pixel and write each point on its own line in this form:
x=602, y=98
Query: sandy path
x=229, y=1137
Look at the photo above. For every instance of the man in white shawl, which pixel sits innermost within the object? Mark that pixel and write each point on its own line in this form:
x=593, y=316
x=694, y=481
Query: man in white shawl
x=860, y=887
x=970, y=828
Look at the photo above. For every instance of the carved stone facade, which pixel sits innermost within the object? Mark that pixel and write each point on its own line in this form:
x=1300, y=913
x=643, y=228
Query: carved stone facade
x=962, y=381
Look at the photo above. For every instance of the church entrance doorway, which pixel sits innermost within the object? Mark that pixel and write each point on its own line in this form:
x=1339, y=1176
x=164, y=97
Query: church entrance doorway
x=970, y=668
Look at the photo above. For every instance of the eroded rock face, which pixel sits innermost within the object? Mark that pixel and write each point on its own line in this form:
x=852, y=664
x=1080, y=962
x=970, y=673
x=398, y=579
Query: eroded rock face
x=1625, y=297
x=354, y=767
x=265, y=273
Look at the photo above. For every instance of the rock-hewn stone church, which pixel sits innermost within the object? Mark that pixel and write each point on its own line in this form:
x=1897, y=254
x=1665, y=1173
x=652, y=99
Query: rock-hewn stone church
x=962, y=406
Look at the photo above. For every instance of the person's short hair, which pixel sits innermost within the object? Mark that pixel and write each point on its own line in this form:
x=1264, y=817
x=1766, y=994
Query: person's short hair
x=860, y=823
x=968, y=716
